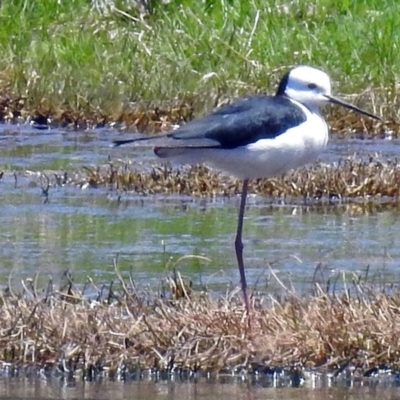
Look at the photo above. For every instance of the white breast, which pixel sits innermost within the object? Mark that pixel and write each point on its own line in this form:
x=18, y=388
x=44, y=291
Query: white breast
x=267, y=157
x=271, y=157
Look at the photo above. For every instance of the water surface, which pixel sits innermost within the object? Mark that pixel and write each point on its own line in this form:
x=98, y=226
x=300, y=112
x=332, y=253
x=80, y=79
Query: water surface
x=89, y=232
x=85, y=231
x=41, y=389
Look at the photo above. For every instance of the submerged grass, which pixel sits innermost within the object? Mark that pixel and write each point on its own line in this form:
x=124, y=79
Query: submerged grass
x=82, y=62
x=119, y=329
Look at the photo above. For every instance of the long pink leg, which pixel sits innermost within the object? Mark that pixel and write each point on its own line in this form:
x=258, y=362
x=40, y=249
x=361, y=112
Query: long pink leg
x=239, y=245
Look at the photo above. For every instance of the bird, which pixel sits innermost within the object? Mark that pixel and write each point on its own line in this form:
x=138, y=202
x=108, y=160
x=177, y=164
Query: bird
x=257, y=136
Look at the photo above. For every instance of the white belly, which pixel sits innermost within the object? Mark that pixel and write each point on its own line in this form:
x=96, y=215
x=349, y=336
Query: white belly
x=267, y=157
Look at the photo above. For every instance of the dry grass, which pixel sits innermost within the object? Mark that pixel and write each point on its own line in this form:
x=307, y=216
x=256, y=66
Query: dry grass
x=124, y=330
x=142, y=118
x=350, y=178
x=135, y=116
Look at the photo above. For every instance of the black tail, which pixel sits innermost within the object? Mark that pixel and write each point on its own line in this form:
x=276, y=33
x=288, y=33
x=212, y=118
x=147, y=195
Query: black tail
x=117, y=143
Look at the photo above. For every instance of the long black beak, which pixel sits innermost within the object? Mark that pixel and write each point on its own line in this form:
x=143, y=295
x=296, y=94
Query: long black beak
x=340, y=102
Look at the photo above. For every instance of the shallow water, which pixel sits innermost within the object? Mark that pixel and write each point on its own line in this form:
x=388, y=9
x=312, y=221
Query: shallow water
x=89, y=231
x=84, y=231
x=23, y=146
x=41, y=389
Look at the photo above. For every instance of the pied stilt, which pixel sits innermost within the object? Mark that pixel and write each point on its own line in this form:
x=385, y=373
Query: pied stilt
x=257, y=136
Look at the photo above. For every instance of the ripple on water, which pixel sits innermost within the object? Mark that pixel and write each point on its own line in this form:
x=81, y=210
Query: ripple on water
x=84, y=230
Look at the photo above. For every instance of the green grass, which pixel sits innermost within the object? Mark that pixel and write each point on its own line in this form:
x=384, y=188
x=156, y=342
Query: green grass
x=68, y=54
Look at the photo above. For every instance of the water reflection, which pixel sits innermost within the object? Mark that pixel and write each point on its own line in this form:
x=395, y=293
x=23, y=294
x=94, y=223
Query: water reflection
x=41, y=388
x=84, y=231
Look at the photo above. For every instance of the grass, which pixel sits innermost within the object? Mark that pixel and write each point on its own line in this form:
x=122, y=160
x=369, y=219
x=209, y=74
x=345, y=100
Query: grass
x=82, y=65
x=364, y=180
x=75, y=62
x=79, y=65
x=120, y=329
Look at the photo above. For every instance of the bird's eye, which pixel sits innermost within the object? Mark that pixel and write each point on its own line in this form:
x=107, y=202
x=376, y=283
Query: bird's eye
x=312, y=86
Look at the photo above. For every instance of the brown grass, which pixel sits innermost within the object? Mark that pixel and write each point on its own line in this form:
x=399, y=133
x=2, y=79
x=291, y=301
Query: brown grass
x=124, y=330
x=145, y=118
x=351, y=178
x=135, y=116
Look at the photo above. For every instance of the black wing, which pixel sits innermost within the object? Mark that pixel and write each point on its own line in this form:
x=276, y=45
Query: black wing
x=243, y=122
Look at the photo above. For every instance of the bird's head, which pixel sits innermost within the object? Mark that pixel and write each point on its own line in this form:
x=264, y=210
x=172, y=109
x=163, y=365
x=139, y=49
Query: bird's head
x=312, y=88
